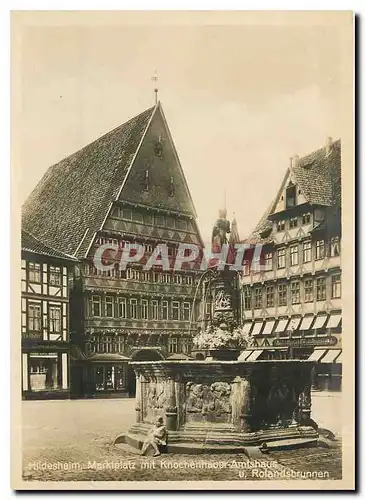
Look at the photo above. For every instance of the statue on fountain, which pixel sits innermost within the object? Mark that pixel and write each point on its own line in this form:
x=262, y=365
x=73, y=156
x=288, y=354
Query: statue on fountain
x=221, y=228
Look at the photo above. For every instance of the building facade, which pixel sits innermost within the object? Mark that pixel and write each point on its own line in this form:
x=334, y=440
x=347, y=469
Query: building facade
x=44, y=320
x=126, y=188
x=291, y=301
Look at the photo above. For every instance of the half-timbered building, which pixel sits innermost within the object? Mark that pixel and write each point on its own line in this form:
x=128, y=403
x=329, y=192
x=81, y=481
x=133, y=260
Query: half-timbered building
x=125, y=188
x=291, y=303
x=44, y=320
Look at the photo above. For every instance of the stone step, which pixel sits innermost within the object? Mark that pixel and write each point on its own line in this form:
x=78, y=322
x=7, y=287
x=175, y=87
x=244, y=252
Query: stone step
x=284, y=444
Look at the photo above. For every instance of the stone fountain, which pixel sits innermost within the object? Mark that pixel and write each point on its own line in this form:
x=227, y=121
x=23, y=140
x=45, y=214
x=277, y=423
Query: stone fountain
x=223, y=404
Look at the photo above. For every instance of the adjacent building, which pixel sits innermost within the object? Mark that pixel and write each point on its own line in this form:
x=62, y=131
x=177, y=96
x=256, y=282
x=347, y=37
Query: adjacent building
x=291, y=303
x=125, y=188
x=45, y=339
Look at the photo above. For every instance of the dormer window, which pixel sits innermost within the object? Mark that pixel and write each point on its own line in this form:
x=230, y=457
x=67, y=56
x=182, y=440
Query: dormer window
x=291, y=196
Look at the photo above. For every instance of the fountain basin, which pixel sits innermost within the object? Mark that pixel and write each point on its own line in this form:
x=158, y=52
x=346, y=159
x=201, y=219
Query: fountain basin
x=223, y=406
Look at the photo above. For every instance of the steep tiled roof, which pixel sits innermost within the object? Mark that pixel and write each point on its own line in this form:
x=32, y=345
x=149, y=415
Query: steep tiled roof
x=31, y=244
x=318, y=176
x=71, y=201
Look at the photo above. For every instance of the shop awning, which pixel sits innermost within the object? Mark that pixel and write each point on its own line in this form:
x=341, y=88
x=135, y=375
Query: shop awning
x=339, y=359
x=334, y=320
x=306, y=322
x=255, y=354
x=269, y=325
x=244, y=355
x=319, y=322
x=257, y=327
x=281, y=325
x=107, y=358
x=293, y=324
x=317, y=354
x=331, y=356
x=247, y=327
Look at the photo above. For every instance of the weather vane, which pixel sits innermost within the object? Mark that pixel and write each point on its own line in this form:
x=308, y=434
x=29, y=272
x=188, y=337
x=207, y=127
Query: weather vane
x=155, y=78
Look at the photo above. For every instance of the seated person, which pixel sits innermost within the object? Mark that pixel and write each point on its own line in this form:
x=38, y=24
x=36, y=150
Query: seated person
x=157, y=437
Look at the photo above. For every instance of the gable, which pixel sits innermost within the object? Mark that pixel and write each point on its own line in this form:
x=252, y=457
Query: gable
x=281, y=200
x=156, y=179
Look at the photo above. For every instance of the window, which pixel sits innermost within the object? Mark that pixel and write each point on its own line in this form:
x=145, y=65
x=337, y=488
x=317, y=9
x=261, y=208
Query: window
x=281, y=258
x=138, y=216
x=282, y=294
x=295, y=292
x=177, y=278
x=246, y=267
x=34, y=317
x=165, y=309
x=294, y=255
x=291, y=196
x=320, y=249
x=175, y=309
x=144, y=309
x=126, y=213
x=109, y=307
x=159, y=220
x=96, y=306
x=247, y=297
x=308, y=290
x=185, y=345
x=54, y=275
x=116, y=212
x=306, y=218
x=189, y=280
x=34, y=272
x=122, y=308
x=307, y=251
x=55, y=319
x=166, y=278
x=172, y=345
x=321, y=289
x=281, y=225
x=258, y=298
x=336, y=286
x=181, y=224
x=268, y=261
x=270, y=296
x=154, y=309
x=293, y=222
x=186, y=311
x=335, y=247
x=133, y=308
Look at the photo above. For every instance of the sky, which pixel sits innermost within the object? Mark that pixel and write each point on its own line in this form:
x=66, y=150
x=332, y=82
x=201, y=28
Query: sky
x=239, y=99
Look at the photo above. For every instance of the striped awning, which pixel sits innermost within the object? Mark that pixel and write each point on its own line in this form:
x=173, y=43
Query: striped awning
x=244, y=355
x=306, y=322
x=319, y=322
x=317, y=354
x=257, y=327
x=334, y=321
x=269, y=325
x=281, y=325
x=293, y=324
x=254, y=355
x=247, y=327
x=331, y=356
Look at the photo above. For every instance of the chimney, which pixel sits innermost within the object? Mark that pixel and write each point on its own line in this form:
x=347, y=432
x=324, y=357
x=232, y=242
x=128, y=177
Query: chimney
x=329, y=143
x=295, y=160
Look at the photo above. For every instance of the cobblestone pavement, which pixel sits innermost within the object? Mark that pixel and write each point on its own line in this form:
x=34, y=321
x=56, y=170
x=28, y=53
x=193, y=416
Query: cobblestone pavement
x=71, y=441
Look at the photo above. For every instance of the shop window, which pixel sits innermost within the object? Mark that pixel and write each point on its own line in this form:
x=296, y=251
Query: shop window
x=44, y=372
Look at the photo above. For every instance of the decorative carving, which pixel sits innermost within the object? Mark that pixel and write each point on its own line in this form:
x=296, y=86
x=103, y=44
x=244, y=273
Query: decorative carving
x=211, y=401
x=222, y=301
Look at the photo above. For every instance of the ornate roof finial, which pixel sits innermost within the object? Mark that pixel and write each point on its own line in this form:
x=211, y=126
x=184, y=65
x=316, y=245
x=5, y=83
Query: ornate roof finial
x=155, y=78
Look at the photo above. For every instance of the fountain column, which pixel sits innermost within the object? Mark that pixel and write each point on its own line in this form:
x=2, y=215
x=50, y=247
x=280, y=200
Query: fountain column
x=138, y=406
x=171, y=409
